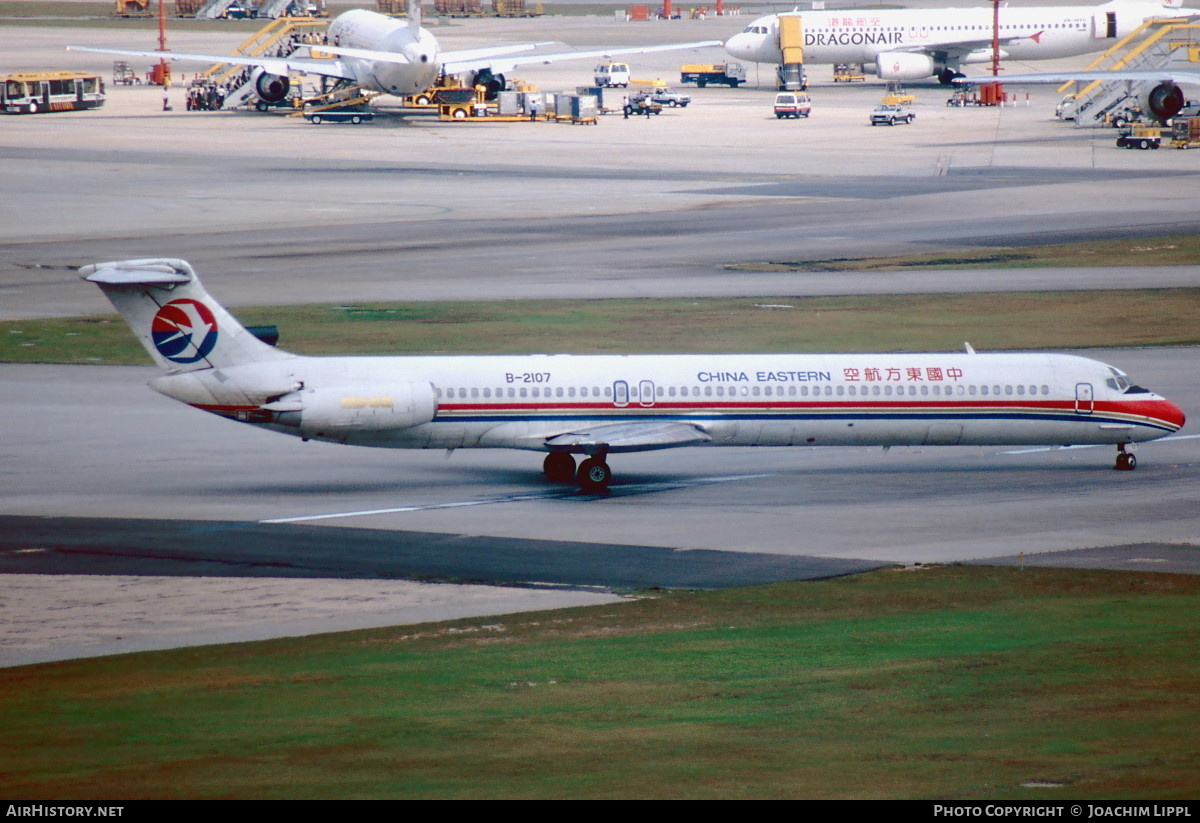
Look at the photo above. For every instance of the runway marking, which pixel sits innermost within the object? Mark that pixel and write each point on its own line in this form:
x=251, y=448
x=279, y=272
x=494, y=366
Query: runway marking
x=1098, y=445
x=569, y=495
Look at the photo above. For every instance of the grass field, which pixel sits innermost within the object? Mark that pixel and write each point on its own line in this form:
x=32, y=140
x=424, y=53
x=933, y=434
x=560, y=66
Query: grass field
x=971, y=683
x=1000, y=321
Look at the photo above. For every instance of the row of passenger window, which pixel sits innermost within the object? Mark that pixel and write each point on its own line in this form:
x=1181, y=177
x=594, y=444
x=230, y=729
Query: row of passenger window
x=660, y=392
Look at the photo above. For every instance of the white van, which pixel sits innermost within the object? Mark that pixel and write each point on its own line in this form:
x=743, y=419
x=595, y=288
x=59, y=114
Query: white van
x=612, y=75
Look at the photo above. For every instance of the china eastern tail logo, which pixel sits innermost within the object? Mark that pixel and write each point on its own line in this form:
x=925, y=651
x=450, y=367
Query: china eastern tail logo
x=184, y=331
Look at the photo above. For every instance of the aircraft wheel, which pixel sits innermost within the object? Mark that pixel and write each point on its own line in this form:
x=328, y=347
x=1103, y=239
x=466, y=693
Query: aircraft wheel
x=594, y=474
x=559, y=467
x=1125, y=462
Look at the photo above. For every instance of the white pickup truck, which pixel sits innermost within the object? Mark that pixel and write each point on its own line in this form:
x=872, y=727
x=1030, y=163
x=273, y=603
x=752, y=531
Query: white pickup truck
x=891, y=114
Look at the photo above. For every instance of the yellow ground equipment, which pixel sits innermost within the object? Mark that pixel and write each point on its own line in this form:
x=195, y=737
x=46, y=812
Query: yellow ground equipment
x=1185, y=133
x=848, y=73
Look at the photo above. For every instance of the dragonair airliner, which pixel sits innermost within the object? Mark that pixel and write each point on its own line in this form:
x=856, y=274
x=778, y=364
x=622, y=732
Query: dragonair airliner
x=912, y=44
x=597, y=405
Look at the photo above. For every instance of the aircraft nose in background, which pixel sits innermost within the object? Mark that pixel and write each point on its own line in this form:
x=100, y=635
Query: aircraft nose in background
x=741, y=46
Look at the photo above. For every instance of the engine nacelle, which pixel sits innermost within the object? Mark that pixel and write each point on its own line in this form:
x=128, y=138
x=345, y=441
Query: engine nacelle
x=493, y=84
x=337, y=410
x=272, y=88
x=903, y=65
x=1164, y=100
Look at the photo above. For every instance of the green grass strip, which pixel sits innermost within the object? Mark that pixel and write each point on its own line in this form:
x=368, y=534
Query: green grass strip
x=973, y=683
x=1000, y=321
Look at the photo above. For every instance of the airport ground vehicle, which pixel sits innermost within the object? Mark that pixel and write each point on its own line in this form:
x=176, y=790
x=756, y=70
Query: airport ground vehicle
x=353, y=115
x=666, y=97
x=1185, y=132
x=612, y=74
x=50, y=91
x=848, y=73
x=792, y=104
x=1140, y=137
x=892, y=114
x=642, y=103
x=729, y=74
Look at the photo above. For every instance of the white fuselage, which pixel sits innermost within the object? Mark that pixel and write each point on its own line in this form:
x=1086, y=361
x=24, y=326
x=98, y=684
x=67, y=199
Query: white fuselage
x=361, y=29
x=736, y=400
x=949, y=36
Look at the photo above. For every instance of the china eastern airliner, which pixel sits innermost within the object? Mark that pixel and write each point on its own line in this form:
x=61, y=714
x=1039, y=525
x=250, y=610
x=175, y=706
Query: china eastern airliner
x=398, y=57
x=597, y=405
x=911, y=44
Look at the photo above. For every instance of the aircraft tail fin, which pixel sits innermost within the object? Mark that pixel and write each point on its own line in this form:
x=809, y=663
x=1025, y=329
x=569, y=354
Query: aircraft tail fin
x=414, y=16
x=179, y=324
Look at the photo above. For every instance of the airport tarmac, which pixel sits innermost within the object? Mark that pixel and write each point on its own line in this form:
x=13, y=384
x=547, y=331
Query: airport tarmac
x=273, y=210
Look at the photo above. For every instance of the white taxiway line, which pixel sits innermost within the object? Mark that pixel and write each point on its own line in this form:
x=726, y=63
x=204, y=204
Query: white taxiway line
x=558, y=494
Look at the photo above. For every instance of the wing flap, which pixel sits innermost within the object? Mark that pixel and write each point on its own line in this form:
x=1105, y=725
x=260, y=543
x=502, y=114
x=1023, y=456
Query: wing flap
x=628, y=437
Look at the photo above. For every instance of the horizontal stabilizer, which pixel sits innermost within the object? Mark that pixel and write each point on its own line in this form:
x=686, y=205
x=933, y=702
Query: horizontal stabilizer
x=148, y=272
x=629, y=437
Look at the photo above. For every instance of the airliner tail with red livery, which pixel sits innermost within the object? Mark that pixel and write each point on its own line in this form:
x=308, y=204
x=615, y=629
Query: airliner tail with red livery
x=596, y=405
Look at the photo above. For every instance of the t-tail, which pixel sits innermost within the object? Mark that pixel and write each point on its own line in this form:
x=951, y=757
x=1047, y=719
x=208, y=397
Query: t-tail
x=414, y=18
x=212, y=362
x=176, y=320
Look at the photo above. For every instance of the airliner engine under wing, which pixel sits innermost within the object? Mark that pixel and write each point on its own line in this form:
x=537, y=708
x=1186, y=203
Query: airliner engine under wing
x=910, y=44
x=596, y=405
x=392, y=56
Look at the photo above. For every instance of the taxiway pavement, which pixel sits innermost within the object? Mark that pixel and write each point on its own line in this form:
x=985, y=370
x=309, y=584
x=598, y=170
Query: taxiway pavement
x=273, y=210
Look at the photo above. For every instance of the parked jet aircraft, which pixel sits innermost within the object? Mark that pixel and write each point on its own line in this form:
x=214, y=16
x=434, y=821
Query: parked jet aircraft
x=392, y=56
x=910, y=44
x=1158, y=91
x=564, y=405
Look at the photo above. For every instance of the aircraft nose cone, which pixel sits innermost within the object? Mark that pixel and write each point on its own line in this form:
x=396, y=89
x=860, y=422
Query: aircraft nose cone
x=1173, y=414
x=737, y=46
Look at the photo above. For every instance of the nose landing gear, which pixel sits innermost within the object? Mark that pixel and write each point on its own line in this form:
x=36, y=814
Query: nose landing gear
x=1125, y=461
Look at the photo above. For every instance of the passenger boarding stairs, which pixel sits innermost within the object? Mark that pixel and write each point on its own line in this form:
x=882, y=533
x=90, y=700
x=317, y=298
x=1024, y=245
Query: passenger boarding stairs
x=274, y=39
x=1156, y=44
x=213, y=9
x=276, y=8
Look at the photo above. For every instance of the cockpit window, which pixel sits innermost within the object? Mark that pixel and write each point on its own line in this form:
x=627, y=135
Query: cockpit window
x=1119, y=382
x=755, y=30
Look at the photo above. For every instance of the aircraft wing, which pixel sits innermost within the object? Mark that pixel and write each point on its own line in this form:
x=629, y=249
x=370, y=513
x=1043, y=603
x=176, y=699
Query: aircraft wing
x=396, y=57
x=1174, y=75
x=961, y=48
x=630, y=437
x=274, y=65
x=454, y=62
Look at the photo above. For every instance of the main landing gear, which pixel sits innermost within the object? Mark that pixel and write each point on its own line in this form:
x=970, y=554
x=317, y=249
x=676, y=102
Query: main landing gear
x=1125, y=461
x=593, y=474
